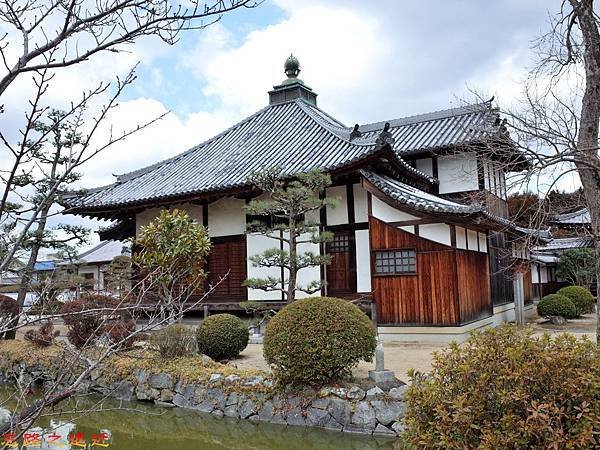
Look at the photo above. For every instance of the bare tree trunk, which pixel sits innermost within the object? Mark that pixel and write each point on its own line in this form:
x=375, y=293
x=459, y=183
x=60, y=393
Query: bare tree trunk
x=587, y=160
x=291, y=294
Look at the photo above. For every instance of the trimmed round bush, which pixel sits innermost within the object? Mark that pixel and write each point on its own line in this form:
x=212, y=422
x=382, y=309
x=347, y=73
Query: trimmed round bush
x=507, y=389
x=556, y=305
x=222, y=336
x=581, y=297
x=174, y=340
x=318, y=340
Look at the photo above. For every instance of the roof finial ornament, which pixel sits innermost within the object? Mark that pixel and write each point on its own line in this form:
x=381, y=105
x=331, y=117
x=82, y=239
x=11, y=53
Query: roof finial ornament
x=292, y=66
x=355, y=132
x=385, y=137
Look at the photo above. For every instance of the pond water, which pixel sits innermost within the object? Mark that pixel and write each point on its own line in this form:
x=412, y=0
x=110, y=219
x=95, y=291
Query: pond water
x=143, y=426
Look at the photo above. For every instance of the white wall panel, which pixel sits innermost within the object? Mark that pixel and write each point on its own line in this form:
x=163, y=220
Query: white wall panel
x=472, y=239
x=438, y=232
x=226, y=217
x=461, y=238
x=385, y=212
x=458, y=173
x=338, y=214
x=482, y=242
x=361, y=207
x=363, y=262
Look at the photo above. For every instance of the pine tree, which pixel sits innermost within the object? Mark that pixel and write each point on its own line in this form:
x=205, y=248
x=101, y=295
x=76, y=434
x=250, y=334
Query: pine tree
x=287, y=216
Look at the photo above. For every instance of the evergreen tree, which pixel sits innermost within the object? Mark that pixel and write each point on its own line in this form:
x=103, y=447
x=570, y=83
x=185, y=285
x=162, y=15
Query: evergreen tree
x=288, y=216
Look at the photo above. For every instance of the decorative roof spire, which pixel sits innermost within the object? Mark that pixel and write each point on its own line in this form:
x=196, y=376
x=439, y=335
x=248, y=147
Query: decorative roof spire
x=292, y=87
x=292, y=66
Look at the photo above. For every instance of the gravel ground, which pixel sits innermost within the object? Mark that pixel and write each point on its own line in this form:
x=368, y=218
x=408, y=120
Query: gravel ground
x=400, y=357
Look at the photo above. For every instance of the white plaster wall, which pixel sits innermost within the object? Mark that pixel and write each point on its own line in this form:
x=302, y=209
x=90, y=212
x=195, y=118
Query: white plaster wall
x=361, y=207
x=226, y=217
x=338, y=214
x=256, y=244
x=461, y=238
x=363, y=262
x=458, y=173
x=409, y=228
x=90, y=269
x=543, y=274
x=425, y=165
x=482, y=242
x=438, y=232
x=146, y=216
x=535, y=276
x=305, y=276
x=385, y=212
x=472, y=239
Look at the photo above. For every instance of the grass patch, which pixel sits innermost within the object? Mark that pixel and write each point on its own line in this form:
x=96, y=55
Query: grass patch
x=123, y=366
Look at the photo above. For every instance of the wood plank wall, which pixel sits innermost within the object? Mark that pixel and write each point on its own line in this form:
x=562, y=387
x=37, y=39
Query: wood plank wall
x=473, y=285
x=450, y=287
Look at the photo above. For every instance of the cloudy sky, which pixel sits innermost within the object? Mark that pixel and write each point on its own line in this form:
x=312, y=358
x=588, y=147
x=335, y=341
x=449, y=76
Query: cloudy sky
x=367, y=60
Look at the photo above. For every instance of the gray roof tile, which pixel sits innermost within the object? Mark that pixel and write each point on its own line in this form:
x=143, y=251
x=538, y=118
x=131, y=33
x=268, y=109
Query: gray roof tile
x=296, y=136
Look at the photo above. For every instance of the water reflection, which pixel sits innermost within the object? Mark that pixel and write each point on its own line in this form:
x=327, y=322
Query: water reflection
x=138, y=426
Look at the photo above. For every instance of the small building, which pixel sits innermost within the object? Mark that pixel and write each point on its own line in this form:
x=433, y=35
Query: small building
x=545, y=260
x=92, y=265
x=421, y=225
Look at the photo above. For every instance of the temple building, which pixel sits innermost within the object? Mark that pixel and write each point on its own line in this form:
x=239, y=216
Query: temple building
x=421, y=225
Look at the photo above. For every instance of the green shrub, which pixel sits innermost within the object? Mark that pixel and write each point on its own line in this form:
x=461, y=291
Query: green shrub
x=556, y=305
x=581, y=297
x=222, y=336
x=505, y=389
x=318, y=340
x=174, y=340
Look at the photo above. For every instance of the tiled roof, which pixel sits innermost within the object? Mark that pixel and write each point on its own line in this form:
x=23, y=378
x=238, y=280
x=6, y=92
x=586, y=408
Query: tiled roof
x=579, y=217
x=440, y=129
x=103, y=252
x=416, y=198
x=296, y=136
x=561, y=244
x=426, y=202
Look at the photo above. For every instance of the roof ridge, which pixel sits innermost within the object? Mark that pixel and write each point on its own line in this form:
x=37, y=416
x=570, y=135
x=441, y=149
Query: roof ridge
x=427, y=117
x=331, y=128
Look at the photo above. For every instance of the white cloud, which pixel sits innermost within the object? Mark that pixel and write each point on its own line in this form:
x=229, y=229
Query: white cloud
x=368, y=61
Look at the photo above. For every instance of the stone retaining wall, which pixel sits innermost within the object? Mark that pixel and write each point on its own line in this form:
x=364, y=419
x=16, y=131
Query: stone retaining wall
x=348, y=409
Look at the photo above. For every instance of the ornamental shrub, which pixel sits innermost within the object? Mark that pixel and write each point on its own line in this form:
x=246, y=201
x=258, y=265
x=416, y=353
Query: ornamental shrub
x=318, y=340
x=9, y=310
x=84, y=325
x=581, y=297
x=222, y=336
x=174, y=340
x=118, y=332
x=506, y=389
x=556, y=305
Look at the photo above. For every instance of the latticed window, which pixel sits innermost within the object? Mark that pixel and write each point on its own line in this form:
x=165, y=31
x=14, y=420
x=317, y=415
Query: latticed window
x=339, y=243
x=395, y=261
